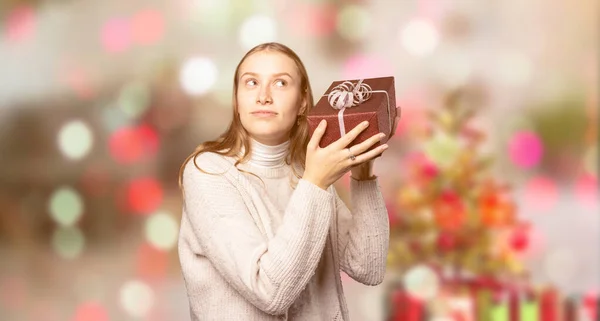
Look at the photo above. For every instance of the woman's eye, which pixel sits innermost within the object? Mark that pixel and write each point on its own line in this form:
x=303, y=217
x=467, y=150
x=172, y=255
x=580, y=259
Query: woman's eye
x=251, y=82
x=280, y=83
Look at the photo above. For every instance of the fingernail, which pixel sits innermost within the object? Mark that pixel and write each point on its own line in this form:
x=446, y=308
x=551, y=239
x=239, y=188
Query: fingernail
x=384, y=146
x=365, y=123
x=382, y=135
x=322, y=122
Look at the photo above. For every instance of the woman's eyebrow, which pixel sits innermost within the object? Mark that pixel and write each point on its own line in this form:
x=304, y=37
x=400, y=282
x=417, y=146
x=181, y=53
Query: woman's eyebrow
x=274, y=75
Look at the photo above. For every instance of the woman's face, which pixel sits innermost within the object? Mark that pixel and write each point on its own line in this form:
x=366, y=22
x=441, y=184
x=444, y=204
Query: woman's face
x=269, y=96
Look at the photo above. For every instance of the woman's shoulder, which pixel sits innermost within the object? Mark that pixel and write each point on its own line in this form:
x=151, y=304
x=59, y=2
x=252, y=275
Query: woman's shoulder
x=213, y=158
x=210, y=163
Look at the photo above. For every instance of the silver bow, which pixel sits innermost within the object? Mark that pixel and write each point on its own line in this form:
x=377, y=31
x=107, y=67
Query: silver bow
x=347, y=94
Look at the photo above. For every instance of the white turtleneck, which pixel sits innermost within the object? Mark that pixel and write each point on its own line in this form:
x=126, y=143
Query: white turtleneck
x=268, y=162
x=268, y=156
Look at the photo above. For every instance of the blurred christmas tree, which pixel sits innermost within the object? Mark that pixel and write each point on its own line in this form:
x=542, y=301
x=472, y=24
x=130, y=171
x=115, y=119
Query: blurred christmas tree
x=451, y=212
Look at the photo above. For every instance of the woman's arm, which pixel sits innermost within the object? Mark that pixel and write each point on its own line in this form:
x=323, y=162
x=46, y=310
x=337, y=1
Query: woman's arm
x=363, y=233
x=268, y=273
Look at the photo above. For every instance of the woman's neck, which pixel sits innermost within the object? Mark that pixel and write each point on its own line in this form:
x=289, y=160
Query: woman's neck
x=268, y=156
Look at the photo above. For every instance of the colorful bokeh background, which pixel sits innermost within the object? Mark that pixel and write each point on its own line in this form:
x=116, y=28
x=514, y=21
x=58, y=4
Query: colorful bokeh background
x=101, y=101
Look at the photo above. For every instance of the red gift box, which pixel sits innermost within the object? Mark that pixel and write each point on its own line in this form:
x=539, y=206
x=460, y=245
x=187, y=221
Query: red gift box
x=348, y=103
x=406, y=308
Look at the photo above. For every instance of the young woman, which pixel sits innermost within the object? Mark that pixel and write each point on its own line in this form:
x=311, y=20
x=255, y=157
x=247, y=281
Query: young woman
x=264, y=235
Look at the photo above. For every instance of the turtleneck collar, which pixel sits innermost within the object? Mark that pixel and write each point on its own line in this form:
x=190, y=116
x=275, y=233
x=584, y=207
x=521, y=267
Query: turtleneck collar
x=268, y=156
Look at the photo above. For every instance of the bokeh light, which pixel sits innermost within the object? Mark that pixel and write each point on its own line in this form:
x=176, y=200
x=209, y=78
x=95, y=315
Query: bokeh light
x=198, y=76
x=586, y=191
x=442, y=149
x=115, y=35
x=540, y=194
x=419, y=37
x=561, y=265
x=66, y=206
x=134, y=99
x=78, y=79
x=20, y=24
x=68, y=242
x=525, y=149
x=144, y=195
x=366, y=66
x=75, y=139
x=519, y=239
x=91, y=311
x=353, y=22
x=148, y=26
x=256, y=30
x=136, y=298
x=422, y=282
x=132, y=144
x=162, y=230
x=114, y=118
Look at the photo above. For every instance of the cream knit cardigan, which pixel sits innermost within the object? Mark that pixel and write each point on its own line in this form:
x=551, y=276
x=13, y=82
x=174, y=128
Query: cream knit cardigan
x=237, y=267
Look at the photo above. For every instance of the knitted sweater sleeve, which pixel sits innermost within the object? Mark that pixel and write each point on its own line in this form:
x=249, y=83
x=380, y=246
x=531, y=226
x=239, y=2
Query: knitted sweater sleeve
x=270, y=274
x=363, y=233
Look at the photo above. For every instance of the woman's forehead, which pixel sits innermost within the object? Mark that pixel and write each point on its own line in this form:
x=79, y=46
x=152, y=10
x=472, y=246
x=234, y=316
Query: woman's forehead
x=269, y=63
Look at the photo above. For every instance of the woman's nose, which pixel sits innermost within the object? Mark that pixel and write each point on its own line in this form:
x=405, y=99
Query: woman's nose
x=264, y=96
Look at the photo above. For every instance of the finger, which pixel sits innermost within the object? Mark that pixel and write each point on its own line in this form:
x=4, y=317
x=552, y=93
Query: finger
x=365, y=157
x=364, y=146
x=350, y=136
x=314, y=141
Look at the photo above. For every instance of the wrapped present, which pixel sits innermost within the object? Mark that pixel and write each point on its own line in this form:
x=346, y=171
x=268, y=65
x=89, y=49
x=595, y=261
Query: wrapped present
x=348, y=103
x=549, y=305
x=406, y=308
x=591, y=303
x=529, y=310
x=499, y=308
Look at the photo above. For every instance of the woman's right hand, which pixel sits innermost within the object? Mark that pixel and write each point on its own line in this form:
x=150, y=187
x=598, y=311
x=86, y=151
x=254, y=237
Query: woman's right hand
x=326, y=165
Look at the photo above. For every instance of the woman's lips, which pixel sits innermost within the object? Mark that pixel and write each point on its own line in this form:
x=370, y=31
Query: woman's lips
x=264, y=113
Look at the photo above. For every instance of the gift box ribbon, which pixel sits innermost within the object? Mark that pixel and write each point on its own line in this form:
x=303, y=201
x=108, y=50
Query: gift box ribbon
x=348, y=95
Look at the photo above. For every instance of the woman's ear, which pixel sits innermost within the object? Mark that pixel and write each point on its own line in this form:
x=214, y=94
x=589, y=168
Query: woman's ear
x=302, y=107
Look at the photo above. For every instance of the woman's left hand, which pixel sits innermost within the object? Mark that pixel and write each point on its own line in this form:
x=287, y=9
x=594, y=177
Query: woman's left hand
x=365, y=170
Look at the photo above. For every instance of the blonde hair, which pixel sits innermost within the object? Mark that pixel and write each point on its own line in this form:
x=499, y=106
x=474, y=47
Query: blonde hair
x=230, y=143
